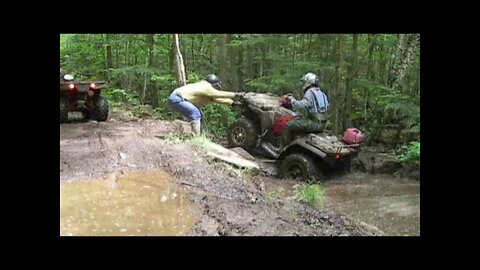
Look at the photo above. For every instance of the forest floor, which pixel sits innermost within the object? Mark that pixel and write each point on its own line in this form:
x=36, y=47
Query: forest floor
x=127, y=177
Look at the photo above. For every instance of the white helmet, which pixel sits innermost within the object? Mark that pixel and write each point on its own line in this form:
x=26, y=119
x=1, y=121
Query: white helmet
x=308, y=80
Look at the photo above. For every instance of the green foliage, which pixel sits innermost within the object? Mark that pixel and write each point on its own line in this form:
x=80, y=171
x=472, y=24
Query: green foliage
x=121, y=95
x=313, y=194
x=165, y=80
x=410, y=153
x=194, y=77
x=198, y=141
x=270, y=63
x=217, y=117
x=164, y=113
x=386, y=106
x=175, y=139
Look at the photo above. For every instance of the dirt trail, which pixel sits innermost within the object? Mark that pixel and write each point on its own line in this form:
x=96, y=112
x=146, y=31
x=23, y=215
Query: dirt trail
x=230, y=205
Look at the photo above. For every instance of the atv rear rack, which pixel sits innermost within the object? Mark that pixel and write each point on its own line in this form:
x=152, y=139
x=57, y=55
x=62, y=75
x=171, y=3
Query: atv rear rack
x=331, y=144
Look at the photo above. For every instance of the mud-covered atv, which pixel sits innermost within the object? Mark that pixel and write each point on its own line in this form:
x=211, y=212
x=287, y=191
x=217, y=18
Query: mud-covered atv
x=307, y=156
x=82, y=96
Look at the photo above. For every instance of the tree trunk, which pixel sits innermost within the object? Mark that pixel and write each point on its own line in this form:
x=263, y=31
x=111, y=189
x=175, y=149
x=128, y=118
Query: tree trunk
x=109, y=56
x=233, y=56
x=337, y=96
x=372, y=42
x=260, y=62
x=127, y=47
x=183, y=44
x=294, y=51
x=144, y=82
x=383, y=63
x=223, y=40
x=151, y=64
x=117, y=63
x=178, y=59
x=250, y=68
x=193, y=52
x=201, y=46
x=172, y=55
x=396, y=60
x=352, y=73
x=411, y=47
x=135, y=52
x=240, y=69
x=212, y=44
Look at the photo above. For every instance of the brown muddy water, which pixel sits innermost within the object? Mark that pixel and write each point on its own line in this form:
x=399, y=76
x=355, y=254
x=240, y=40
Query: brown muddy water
x=389, y=203
x=134, y=204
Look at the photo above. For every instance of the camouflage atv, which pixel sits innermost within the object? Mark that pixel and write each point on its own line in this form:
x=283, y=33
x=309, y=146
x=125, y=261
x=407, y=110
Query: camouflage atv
x=82, y=96
x=307, y=156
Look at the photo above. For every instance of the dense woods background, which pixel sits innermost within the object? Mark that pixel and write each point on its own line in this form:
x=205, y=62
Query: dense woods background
x=372, y=80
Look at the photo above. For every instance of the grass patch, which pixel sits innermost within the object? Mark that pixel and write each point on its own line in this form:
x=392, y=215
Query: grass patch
x=198, y=141
x=275, y=194
x=313, y=194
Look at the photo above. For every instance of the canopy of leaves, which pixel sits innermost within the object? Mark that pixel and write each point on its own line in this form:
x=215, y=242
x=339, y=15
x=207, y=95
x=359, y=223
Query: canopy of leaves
x=262, y=63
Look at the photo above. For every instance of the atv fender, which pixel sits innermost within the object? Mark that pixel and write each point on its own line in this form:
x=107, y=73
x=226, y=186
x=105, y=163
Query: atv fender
x=266, y=117
x=301, y=142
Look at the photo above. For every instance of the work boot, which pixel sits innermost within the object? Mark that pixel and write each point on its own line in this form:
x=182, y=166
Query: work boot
x=195, y=124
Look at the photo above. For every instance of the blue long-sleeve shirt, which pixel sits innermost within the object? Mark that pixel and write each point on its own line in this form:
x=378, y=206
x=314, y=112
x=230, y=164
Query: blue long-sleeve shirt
x=314, y=101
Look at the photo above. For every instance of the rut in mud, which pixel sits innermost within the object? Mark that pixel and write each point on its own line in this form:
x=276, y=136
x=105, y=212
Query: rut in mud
x=228, y=203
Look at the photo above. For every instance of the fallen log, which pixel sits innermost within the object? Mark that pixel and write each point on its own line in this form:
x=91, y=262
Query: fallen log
x=219, y=152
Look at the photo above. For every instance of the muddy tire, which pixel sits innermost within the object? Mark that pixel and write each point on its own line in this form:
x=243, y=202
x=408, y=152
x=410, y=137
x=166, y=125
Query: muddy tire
x=63, y=110
x=242, y=133
x=85, y=115
x=100, y=113
x=300, y=167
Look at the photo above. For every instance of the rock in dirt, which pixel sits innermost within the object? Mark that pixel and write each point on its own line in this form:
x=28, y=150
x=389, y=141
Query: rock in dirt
x=182, y=127
x=374, y=162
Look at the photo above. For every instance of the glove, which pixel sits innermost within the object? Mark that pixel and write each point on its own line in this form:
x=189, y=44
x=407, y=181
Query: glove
x=239, y=96
x=286, y=102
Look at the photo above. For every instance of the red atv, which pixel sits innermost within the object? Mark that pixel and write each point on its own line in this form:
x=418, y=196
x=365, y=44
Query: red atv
x=307, y=156
x=82, y=96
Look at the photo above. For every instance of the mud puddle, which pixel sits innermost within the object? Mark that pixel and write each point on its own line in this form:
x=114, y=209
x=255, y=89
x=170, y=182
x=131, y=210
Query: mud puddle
x=134, y=204
x=391, y=204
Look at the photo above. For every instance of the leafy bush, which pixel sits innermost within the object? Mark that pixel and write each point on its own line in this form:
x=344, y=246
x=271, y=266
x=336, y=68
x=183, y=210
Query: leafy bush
x=121, y=96
x=313, y=194
x=217, y=118
x=410, y=153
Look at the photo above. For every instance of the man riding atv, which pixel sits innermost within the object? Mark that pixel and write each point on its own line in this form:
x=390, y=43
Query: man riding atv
x=311, y=112
x=292, y=131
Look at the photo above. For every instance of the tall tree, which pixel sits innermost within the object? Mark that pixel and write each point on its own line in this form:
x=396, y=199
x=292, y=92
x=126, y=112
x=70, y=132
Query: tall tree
x=233, y=56
x=109, y=61
x=151, y=64
x=370, y=75
x=223, y=71
x=410, y=49
x=352, y=73
x=178, y=59
x=338, y=82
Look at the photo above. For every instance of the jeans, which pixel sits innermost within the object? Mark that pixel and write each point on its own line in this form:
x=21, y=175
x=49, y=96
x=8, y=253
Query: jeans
x=184, y=107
